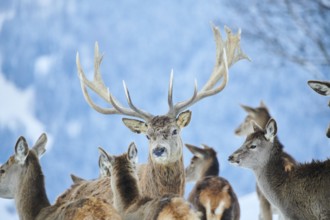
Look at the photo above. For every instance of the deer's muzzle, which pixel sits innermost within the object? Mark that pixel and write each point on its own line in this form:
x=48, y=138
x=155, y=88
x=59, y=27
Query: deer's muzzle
x=159, y=151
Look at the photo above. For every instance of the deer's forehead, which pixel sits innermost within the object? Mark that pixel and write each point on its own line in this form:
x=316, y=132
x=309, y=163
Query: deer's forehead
x=9, y=162
x=256, y=136
x=162, y=123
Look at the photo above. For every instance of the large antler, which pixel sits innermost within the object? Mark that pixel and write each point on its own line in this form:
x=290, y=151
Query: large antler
x=228, y=52
x=98, y=86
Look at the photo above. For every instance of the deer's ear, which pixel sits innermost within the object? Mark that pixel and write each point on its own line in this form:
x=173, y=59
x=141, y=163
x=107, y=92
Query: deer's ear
x=198, y=152
x=248, y=109
x=104, y=166
x=132, y=152
x=271, y=130
x=105, y=160
x=40, y=146
x=262, y=104
x=21, y=150
x=183, y=119
x=76, y=179
x=136, y=125
x=321, y=87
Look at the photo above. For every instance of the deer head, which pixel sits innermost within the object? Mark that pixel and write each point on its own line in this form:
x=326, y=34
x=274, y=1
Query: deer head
x=259, y=115
x=12, y=172
x=163, y=131
x=256, y=149
x=203, y=163
x=323, y=88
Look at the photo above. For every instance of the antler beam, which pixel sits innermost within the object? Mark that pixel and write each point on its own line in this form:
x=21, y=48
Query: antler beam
x=228, y=52
x=98, y=86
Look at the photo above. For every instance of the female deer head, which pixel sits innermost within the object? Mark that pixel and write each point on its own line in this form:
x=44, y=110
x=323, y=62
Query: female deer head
x=255, y=152
x=203, y=163
x=13, y=171
x=260, y=115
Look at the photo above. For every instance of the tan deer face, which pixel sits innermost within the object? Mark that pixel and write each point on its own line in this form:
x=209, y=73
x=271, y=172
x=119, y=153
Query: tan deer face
x=259, y=115
x=9, y=175
x=12, y=171
x=163, y=133
x=256, y=150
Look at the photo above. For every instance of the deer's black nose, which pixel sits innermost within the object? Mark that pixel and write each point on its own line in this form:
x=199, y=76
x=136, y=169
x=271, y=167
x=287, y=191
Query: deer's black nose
x=158, y=151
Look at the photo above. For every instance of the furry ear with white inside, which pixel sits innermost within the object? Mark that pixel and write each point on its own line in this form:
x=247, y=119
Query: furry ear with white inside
x=183, y=119
x=103, y=167
x=321, y=87
x=21, y=150
x=271, y=130
x=137, y=126
x=40, y=146
x=105, y=160
x=132, y=152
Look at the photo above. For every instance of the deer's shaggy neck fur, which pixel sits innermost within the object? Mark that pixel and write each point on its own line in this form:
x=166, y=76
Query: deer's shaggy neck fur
x=31, y=196
x=161, y=179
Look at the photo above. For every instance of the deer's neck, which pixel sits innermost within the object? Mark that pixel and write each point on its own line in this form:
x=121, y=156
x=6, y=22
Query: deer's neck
x=31, y=196
x=125, y=188
x=271, y=177
x=213, y=169
x=163, y=179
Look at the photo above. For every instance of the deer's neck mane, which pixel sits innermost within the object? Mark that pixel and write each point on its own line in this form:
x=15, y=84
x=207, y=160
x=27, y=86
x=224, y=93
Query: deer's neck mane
x=164, y=179
x=31, y=196
x=213, y=169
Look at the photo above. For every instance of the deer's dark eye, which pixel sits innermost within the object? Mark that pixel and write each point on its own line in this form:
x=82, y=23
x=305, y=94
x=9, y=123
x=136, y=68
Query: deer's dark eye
x=253, y=146
x=174, y=132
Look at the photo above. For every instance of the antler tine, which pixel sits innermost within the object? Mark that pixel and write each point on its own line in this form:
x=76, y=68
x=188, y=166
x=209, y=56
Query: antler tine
x=145, y=115
x=228, y=52
x=184, y=104
x=170, y=92
x=98, y=86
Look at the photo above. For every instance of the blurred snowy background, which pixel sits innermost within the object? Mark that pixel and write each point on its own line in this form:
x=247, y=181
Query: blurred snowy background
x=288, y=42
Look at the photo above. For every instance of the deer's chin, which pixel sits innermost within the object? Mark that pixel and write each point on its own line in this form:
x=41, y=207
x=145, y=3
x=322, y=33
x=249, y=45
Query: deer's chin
x=235, y=161
x=160, y=159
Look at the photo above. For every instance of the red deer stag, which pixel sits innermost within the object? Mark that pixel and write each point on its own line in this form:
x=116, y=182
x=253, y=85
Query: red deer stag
x=22, y=179
x=302, y=193
x=212, y=195
x=128, y=199
x=164, y=172
x=323, y=88
x=261, y=116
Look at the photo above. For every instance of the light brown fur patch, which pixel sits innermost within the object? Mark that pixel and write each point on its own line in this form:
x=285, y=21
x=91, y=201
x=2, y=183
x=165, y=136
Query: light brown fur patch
x=100, y=188
x=288, y=164
x=214, y=195
x=96, y=209
x=178, y=209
